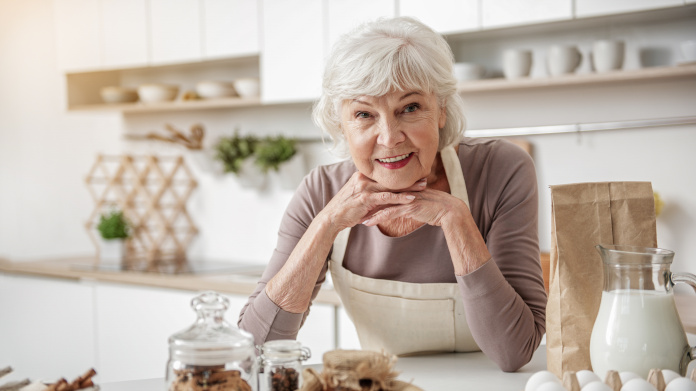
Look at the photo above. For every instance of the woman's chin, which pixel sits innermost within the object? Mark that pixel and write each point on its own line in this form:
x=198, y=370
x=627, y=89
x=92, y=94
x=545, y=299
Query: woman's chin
x=397, y=184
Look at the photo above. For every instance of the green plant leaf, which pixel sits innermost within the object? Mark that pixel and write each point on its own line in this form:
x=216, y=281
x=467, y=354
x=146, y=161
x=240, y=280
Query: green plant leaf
x=113, y=225
x=273, y=151
x=233, y=150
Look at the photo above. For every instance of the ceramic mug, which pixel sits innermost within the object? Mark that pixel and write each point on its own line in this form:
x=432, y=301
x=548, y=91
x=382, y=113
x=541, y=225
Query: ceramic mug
x=608, y=55
x=468, y=71
x=517, y=63
x=563, y=59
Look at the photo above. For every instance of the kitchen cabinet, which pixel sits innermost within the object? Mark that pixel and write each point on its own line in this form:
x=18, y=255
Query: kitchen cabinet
x=586, y=8
x=124, y=32
x=175, y=31
x=230, y=28
x=445, y=16
x=293, y=50
x=46, y=327
x=77, y=29
x=345, y=15
x=503, y=13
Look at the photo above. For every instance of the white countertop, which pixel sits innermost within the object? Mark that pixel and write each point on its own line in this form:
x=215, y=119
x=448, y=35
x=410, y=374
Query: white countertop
x=454, y=371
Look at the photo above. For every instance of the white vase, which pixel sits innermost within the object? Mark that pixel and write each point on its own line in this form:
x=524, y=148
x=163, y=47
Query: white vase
x=291, y=172
x=112, y=252
x=251, y=175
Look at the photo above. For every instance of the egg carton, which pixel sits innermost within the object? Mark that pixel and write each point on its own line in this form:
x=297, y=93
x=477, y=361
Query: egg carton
x=585, y=380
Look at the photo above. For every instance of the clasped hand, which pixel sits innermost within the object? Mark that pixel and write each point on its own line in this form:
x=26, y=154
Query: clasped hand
x=362, y=200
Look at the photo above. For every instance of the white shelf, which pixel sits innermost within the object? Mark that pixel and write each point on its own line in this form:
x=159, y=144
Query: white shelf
x=178, y=105
x=645, y=74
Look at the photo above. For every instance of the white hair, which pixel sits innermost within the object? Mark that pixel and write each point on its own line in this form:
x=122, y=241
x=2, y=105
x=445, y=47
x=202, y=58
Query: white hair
x=386, y=55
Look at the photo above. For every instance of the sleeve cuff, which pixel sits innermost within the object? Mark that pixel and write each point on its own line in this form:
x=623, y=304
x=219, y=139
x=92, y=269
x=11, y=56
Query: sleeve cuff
x=279, y=321
x=482, y=281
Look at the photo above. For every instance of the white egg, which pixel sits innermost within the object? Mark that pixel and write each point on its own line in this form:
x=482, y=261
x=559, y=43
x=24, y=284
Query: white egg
x=637, y=384
x=551, y=386
x=681, y=384
x=586, y=377
x=626, y=376
x=596, y=386
x=540, y=378
x=669, y=375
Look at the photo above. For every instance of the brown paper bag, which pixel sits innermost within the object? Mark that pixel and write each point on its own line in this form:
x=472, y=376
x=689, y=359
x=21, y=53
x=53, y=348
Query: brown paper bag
x=583, y=216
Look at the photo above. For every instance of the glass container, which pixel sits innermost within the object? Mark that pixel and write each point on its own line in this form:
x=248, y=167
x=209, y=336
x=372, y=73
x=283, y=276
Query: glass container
x=638, y=328
x=282, y=365
x=211, y=354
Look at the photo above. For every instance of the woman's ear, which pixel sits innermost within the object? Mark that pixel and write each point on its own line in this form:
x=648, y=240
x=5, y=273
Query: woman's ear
x=443, y=116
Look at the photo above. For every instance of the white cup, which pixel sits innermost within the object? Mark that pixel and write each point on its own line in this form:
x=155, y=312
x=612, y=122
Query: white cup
x=563, y=59
x=608, y=55
x=468, y=71
x=688, y=50
x=517, y=63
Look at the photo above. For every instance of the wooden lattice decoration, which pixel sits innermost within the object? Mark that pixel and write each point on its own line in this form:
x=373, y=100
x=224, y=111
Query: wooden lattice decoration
x=152, y=192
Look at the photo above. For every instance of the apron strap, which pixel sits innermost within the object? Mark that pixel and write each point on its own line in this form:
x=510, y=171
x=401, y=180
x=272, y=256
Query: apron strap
x=339, y=246
x=453, y=170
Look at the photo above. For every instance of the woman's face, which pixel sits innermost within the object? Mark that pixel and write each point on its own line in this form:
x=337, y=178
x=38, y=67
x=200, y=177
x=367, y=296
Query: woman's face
x=393, y=138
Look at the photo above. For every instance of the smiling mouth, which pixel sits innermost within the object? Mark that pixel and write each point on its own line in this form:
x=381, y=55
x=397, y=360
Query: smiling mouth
x=395, y=158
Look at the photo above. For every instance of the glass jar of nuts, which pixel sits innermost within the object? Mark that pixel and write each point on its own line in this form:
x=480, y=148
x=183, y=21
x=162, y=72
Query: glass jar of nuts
x=282, y=365
x=211, y=354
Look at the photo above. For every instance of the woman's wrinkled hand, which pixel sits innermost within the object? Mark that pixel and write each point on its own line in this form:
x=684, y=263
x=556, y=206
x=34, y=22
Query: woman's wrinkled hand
x=361, y=198
x=432, y=207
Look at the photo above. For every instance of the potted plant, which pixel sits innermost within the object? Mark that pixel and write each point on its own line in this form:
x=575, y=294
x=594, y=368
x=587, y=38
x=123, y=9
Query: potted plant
x=114, y=230
x=235, y=152
x=279, y=154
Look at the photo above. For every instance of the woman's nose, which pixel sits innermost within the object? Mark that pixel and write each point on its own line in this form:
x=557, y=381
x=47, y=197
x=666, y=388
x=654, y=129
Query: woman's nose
x=390, y=132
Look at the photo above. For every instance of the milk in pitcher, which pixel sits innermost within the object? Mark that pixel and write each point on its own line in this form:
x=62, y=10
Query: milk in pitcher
x=636, y=331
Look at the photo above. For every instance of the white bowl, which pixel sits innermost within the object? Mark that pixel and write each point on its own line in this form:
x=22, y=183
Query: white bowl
x=247, y=87
x=115, y=94
x=150, y=93
x=215, y=89
x=464, y=71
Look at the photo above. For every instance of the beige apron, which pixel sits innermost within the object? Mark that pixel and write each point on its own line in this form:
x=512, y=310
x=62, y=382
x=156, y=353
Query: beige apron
x=402, y=317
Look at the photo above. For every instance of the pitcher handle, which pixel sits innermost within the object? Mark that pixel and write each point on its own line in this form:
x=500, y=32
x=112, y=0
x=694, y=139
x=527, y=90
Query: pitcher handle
x=687, y=278
x=690, y=352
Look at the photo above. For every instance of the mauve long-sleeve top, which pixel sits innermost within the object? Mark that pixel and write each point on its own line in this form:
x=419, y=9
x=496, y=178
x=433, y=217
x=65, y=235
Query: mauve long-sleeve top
x=504, y=300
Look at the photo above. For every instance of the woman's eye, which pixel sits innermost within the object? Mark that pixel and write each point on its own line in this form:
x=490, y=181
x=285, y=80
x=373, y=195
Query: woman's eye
x=362, y=114
x=411, y=108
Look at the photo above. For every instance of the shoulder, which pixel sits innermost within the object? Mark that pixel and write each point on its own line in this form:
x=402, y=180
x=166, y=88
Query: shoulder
x=500, y=170
x=495, y=159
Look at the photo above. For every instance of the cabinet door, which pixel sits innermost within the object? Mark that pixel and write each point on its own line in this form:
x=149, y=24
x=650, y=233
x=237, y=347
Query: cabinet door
x=175, y=28
x=230, y=28
x=292, y=50
x=444, y=16
x=124, y=32
x=46, y=327
x=584, y=8
x=500, y=13
x=77, y=34
x=134, y=324
x=344, y=15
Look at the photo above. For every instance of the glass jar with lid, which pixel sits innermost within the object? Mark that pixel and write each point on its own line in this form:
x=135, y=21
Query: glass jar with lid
x=211, y=354
x=282, y=365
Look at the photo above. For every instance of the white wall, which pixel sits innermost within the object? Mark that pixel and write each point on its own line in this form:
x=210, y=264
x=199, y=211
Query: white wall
x=45, y=152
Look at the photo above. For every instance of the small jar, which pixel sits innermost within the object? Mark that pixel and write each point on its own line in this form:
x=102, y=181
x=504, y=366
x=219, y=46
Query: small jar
x=211, y=354
x=282, y=365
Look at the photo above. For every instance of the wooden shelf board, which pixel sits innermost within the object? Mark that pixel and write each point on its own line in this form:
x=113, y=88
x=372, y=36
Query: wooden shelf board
x=139, y=107
x=645, y=74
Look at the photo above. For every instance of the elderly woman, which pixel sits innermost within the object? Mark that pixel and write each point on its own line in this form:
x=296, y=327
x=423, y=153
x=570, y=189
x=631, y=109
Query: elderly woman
x=430, y=238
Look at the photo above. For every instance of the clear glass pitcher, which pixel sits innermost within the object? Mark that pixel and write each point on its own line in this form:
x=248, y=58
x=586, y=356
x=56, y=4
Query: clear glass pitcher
x=637, y=327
